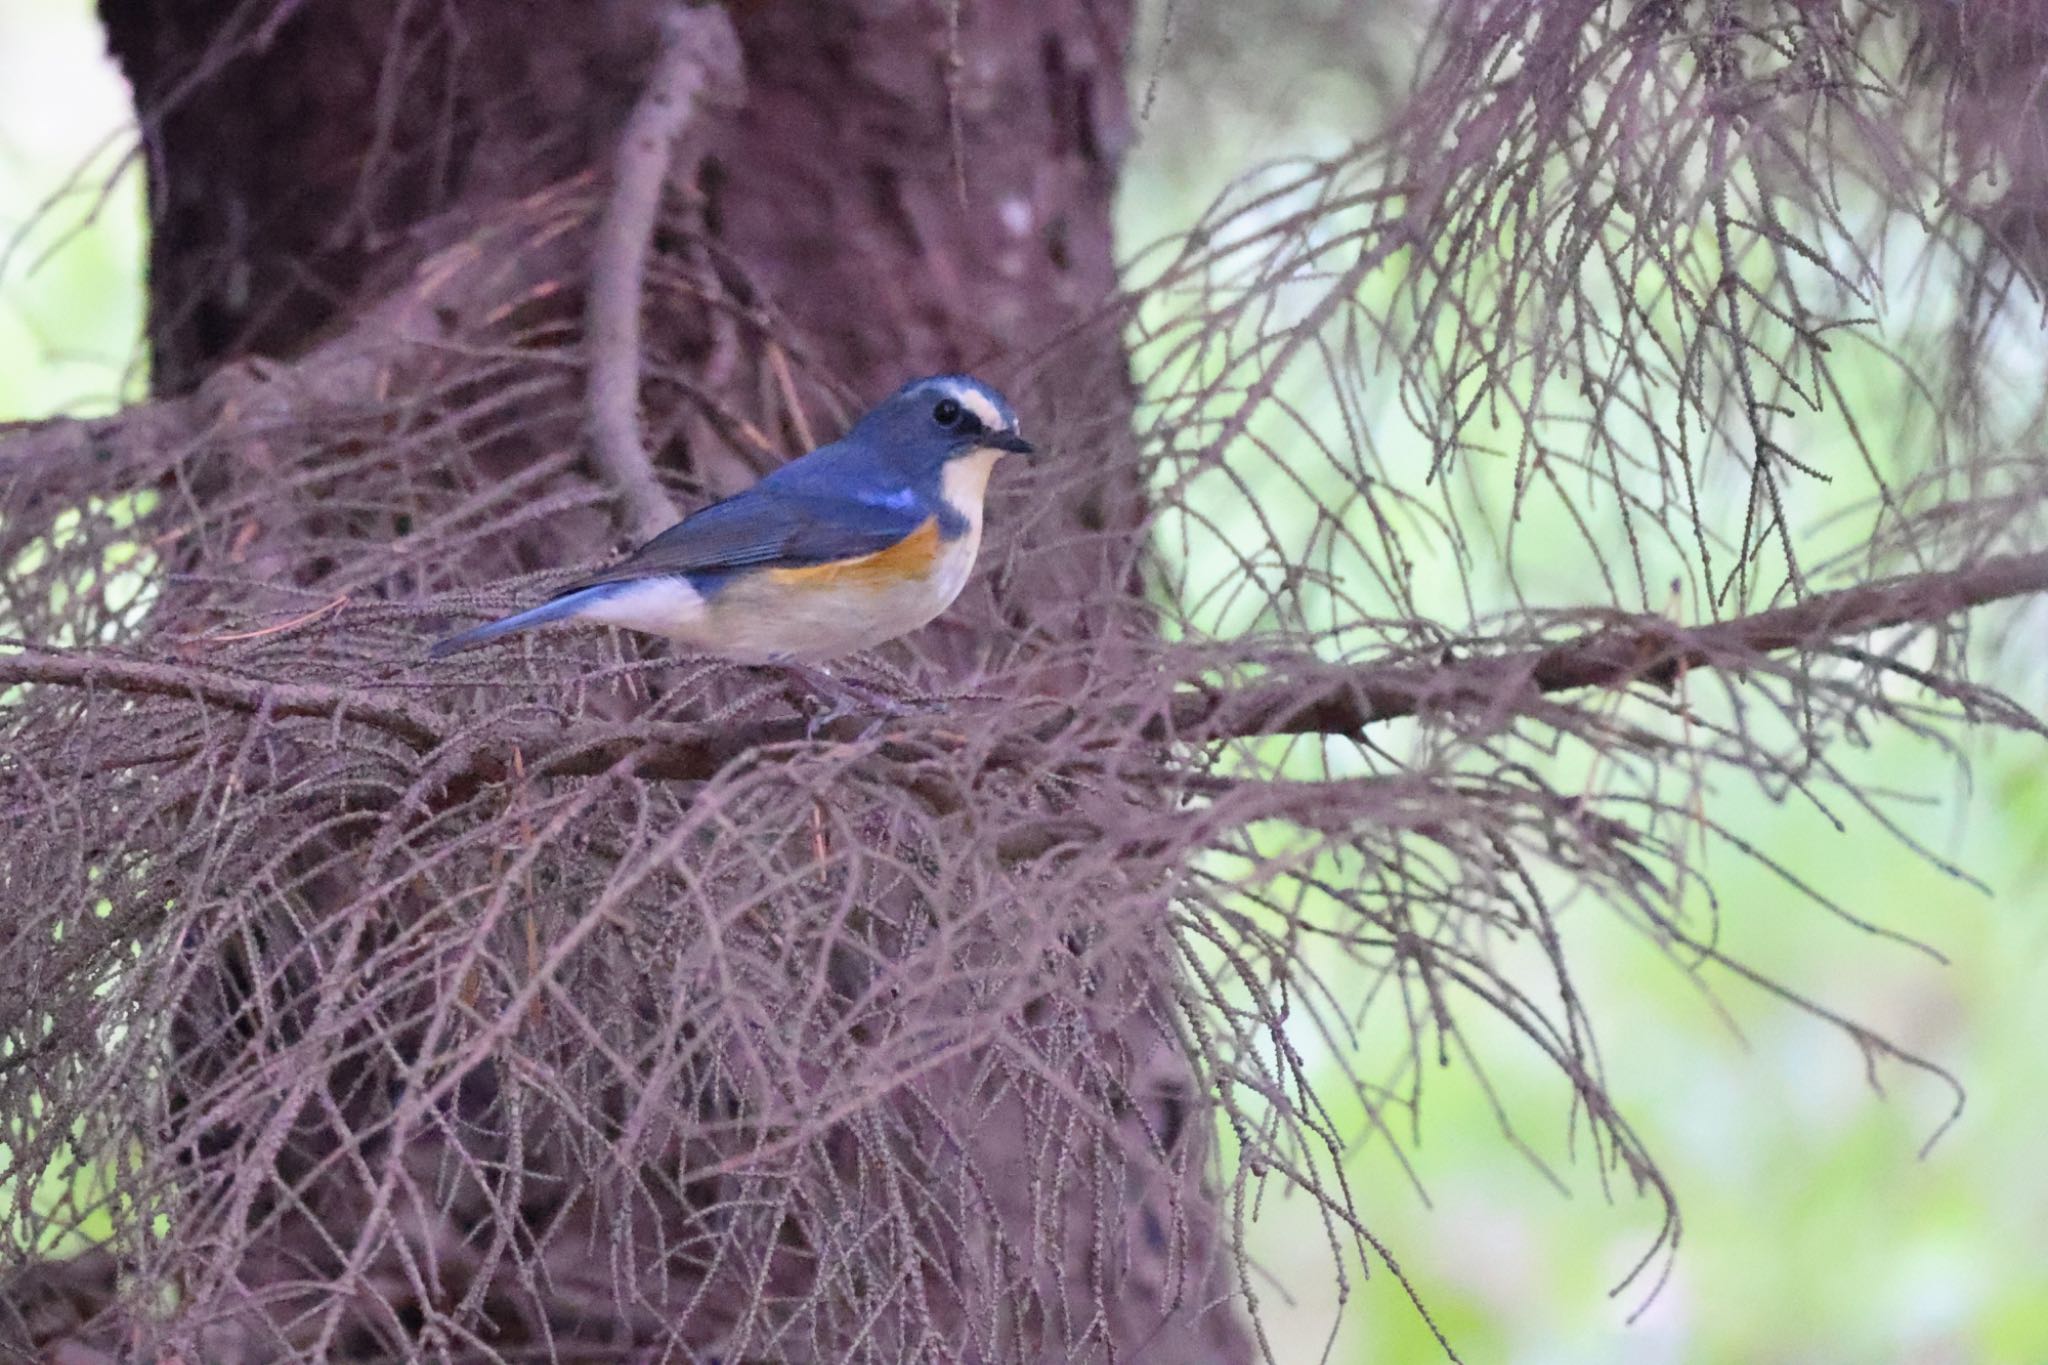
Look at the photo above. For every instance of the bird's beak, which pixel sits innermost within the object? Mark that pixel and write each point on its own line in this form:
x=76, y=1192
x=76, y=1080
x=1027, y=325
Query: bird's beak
x=1010, y=441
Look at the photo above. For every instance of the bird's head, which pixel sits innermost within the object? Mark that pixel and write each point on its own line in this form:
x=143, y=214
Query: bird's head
x=930, y=422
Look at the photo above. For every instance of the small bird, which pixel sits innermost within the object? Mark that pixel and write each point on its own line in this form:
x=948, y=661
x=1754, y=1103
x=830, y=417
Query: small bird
x=855, y=543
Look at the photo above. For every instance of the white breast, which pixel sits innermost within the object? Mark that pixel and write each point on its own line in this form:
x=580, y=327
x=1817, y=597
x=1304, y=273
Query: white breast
x=755, y=619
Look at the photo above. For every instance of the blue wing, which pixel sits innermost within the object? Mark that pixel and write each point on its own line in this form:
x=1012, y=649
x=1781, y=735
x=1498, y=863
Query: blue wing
x=771, y=526
x=816, y=510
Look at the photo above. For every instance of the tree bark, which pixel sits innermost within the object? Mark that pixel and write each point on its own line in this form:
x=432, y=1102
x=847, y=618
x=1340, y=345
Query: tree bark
x=346, y=196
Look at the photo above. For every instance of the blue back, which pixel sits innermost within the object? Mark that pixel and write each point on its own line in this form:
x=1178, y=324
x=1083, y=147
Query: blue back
x=857, y=496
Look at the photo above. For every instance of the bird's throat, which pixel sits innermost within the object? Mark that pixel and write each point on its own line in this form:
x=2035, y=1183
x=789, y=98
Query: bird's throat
x=964, y=482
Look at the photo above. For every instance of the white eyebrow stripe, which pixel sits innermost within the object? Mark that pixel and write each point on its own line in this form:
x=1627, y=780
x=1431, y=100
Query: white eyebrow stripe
x=979, y=405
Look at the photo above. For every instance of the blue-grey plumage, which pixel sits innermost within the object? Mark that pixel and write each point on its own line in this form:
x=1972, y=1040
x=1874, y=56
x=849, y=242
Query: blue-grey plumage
x=855, y=543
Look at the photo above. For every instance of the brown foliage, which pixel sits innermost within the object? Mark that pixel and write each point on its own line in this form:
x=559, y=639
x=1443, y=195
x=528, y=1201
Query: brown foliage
x=575, y=1001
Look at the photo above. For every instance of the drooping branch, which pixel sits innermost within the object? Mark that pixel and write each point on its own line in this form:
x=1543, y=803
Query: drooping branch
x=474, y=274
x=700, y=59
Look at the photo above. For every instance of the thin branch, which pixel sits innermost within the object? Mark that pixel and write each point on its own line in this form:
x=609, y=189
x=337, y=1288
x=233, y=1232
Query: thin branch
x=1639, y=648
x=333, y=605
x=1634, y=648
x=700, y=58
x=227, y=690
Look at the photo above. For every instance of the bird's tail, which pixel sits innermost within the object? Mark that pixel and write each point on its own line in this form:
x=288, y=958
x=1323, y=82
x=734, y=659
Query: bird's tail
x=560, y=609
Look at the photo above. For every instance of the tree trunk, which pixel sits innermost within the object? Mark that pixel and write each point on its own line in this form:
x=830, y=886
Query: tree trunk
x=380, y=189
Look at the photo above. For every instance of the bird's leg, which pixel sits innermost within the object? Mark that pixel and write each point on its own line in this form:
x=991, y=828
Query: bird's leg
x=845, y=696
x=907, y=695
x=849, y=696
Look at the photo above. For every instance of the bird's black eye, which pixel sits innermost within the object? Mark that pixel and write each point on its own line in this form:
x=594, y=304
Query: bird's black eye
x=946, y=413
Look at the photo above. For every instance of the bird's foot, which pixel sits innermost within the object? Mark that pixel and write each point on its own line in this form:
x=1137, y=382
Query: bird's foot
x=833, y=698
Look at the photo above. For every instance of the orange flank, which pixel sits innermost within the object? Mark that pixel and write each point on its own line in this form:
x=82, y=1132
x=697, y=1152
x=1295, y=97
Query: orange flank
x=908, y=560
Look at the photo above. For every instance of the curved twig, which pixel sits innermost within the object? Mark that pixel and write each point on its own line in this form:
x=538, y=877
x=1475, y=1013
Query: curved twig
x=700, y=58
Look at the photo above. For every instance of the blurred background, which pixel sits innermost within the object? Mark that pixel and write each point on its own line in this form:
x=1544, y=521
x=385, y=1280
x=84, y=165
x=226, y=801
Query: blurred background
x=1815, y=1229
